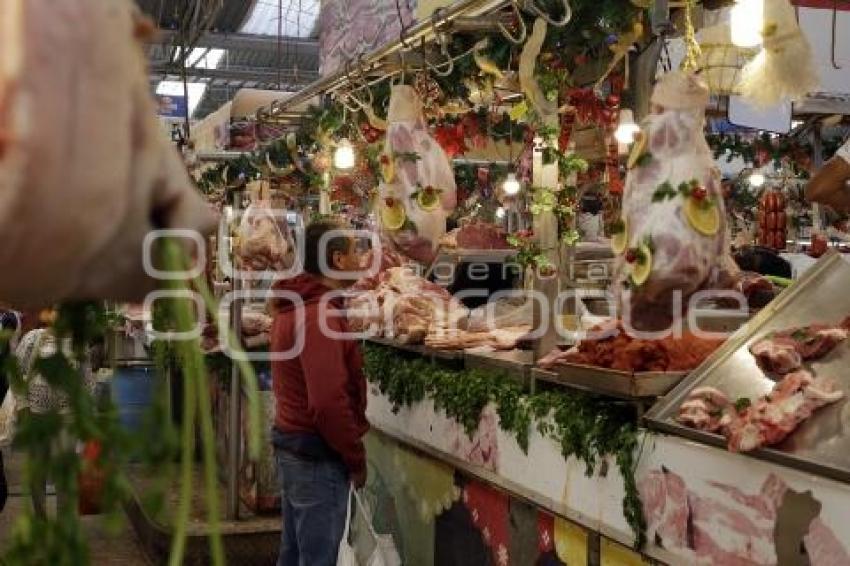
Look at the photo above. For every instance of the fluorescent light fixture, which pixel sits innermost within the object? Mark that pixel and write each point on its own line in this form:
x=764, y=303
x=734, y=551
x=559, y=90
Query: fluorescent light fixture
x=627, y=130
x=175, y=88
x=511, y=185
x=344, y=157
x=747, y=21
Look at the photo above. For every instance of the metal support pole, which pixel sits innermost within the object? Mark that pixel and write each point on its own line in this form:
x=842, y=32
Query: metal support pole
x=235, y=416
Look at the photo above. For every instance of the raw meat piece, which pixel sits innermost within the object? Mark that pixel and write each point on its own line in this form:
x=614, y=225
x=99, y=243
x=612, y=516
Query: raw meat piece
x=478, y=235
x=509, y=311
x=85, y=171
x=621, y=351
x=403, y=306
x=704, y=409
x=683, y=259
x=499, y=339
x=408, y=133
x=554, y=358
x=772, y=418
x=262, y=244
x=255, y=323
x=665, y=502
x=785, y=351
x=756, y=288
x=777, y=356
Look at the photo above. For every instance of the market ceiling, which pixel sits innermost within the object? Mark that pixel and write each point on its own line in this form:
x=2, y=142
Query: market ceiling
x=244, y=33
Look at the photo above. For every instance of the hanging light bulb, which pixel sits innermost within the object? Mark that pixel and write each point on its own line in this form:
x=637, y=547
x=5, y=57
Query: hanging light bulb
x=747, y=21
x=757, y=180
x=500, y=212
x=627, y=129
x=511, y=185
x=344, y=155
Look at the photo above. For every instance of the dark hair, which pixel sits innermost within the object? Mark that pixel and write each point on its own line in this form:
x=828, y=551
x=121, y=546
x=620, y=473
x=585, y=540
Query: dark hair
x=313, y=239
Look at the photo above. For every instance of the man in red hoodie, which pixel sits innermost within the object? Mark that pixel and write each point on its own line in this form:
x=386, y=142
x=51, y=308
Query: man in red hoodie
x=321, y=400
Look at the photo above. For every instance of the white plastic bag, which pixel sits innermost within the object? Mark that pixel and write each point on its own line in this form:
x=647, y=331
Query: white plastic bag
x=385, y=553
x=346, y=555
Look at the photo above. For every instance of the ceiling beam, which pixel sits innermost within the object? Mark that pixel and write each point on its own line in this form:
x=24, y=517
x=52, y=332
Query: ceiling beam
x=267, y=75
x=247, y=42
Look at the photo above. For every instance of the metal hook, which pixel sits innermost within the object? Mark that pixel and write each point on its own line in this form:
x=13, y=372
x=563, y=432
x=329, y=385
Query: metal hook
x=449, y=63
x=532, y=6
x=834, y=19
x=520, y=39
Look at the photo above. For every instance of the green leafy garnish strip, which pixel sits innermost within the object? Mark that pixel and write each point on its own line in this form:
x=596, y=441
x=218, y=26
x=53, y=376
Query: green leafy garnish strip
x=587, y=427
x=743, y=404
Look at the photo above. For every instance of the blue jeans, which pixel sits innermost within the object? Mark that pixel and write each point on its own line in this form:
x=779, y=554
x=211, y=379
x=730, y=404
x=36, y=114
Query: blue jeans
x=314, y=500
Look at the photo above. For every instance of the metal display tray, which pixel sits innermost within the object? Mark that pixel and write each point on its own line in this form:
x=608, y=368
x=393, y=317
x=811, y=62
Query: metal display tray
x=821, y=445
x=631, y=386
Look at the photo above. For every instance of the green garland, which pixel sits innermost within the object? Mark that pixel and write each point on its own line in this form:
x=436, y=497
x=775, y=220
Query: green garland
x=587, y=427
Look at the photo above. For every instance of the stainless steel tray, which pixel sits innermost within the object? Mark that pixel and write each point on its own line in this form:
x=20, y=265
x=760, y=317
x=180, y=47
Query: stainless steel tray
x=632, y=386
x=821, y=445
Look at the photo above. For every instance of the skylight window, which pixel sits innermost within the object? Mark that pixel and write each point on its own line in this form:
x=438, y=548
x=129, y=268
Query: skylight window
x=175, y=88
x=202, y=58
x=296, y=22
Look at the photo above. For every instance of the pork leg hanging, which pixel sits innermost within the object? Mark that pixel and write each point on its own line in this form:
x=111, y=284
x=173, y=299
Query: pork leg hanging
x=674, y=221
x=418, y=191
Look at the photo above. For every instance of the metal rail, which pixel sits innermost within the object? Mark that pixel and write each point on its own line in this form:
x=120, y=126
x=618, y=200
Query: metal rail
x=414, y=35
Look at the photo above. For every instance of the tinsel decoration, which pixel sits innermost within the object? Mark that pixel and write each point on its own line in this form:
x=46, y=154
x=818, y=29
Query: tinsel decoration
x=430, y=93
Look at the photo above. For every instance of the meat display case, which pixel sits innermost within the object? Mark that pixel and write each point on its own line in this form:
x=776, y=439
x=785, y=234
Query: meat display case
x=821, y=445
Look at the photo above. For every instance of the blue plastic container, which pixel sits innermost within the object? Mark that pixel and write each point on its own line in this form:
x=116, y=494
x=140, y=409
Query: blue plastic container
x=133, y=389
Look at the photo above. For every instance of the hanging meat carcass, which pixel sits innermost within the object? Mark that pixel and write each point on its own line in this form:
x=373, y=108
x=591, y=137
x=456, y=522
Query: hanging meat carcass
x=85, y=170
x=418, y=190
x=672, y=238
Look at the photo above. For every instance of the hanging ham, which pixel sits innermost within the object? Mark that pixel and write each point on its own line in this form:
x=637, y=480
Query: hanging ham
x=418, y=191
x=673, y=236
x=85, y=169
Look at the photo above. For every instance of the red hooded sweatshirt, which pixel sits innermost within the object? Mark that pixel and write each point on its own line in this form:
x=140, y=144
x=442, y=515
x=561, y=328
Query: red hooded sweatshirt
x=321, y=391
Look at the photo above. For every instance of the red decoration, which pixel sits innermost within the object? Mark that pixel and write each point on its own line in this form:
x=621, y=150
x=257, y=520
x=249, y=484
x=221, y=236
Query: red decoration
x=91, y=480
x=489, y=510
x=612, y=166
x=472, y=130
x=772, y=220
x=545, y=533
x=568, y=120
x=370, y=134
x=452, y=139
x=819, y=245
